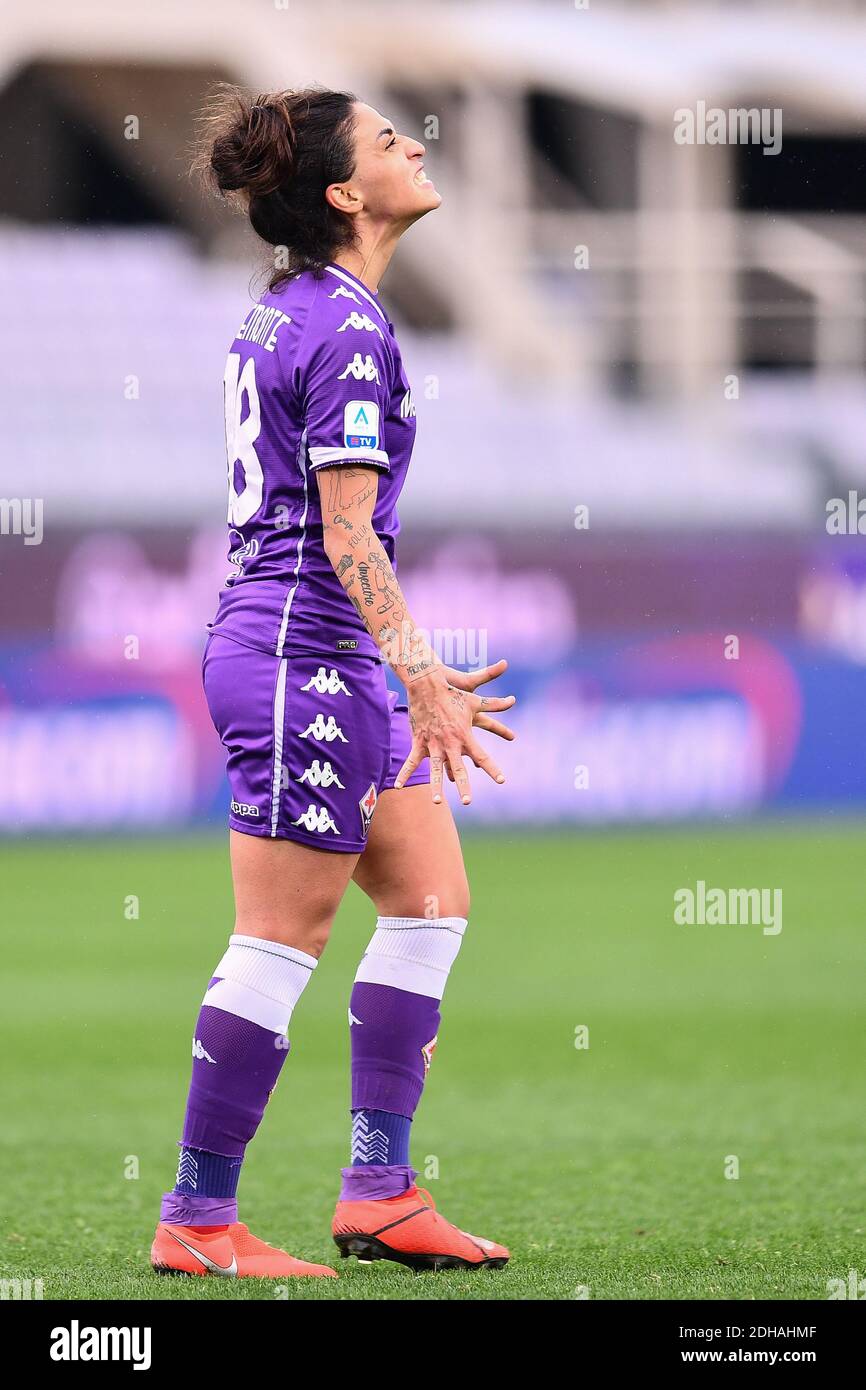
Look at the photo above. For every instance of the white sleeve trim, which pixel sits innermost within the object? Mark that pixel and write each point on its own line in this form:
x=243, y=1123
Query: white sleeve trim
x=320, y=456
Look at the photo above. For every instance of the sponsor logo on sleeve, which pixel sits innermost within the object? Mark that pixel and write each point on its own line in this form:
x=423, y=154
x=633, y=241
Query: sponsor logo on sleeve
x=361, y=425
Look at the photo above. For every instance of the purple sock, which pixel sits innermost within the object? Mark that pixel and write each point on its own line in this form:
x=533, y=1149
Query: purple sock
x=393, y=1033
x=235, y=1067
x=239, y=1047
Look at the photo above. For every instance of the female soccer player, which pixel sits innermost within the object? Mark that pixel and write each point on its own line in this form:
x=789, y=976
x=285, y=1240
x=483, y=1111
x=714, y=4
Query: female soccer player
x=328, y=770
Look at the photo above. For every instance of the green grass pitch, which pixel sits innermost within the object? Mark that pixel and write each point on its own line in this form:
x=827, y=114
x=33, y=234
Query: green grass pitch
x=602, y=1168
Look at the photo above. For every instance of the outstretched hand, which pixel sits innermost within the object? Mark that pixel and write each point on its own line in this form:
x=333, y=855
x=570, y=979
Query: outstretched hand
x=443, y=709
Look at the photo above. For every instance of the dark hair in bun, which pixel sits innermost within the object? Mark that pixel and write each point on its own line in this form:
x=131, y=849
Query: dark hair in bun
x=280, y=152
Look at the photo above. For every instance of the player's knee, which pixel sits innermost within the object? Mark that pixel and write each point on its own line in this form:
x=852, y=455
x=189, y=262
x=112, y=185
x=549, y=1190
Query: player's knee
x=451, y=901
x=305, y=927
x=414, y=898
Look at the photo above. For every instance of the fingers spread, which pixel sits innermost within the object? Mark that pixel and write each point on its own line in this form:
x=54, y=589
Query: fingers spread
x=414, y=759
x=493, y=702
x=436, y=762
x=484, y=761
x=461, y=776
x=493, y=726
x=487, y=673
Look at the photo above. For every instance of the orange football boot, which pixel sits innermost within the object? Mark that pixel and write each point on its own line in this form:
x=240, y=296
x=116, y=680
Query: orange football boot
x=227, y=1251
x=410, y=1230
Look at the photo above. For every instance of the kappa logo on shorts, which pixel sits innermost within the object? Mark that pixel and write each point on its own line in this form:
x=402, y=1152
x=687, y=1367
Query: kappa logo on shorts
x=317, y=776
x=323, y=729
x=242, y=808
x=329, y=684
x=318, y=819
x=367, y=806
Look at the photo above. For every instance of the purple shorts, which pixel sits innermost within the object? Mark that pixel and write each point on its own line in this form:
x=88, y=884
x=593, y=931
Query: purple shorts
x=311, y=742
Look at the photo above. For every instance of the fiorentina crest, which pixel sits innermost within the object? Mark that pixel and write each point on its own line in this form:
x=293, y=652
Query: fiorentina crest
x=427, y=1052
x=367, y=806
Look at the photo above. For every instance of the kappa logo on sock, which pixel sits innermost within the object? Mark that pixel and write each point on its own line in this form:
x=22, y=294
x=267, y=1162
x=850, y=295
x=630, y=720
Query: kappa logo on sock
x=367, y=806
x=198, y=1050
x=427, y=1053
x=352, y=1019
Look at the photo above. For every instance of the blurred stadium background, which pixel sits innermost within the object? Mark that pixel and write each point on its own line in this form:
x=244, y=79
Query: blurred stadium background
x=671, y=337
x=638, y=368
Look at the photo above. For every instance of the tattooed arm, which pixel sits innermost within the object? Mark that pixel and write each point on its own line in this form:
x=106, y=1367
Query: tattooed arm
x=442, y=704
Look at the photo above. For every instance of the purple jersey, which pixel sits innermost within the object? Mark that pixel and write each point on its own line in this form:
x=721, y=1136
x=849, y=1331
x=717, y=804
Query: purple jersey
x=314, y=380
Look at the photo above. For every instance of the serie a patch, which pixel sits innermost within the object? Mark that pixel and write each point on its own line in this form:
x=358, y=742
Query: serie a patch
x=361, y=425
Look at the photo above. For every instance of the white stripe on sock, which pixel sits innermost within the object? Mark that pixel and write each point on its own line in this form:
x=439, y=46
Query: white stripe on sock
x=275, y=975
x=238, y=999
x=412, y=953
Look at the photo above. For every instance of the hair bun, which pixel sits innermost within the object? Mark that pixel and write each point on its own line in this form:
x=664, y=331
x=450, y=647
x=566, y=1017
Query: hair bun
x=255, y=152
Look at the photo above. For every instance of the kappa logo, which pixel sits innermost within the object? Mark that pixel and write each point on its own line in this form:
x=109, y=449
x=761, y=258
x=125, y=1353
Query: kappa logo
x=407, y=408
x=367, y=806
x=361, y=368
x=362, y=322
x=199, y=1051
x=342, y=293
x=325, y=730
x=361, y=425
x=359, y=1022
x=427, y=1052
x=317, y=776
x=242, y=808
x=318, y=819
x=329, y=684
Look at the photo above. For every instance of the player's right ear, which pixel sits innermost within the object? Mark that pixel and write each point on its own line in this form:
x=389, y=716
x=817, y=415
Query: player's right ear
x=344, y=198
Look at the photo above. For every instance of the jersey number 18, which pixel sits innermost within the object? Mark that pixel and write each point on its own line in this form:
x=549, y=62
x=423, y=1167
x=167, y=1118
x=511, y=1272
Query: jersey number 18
x=241, y=436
